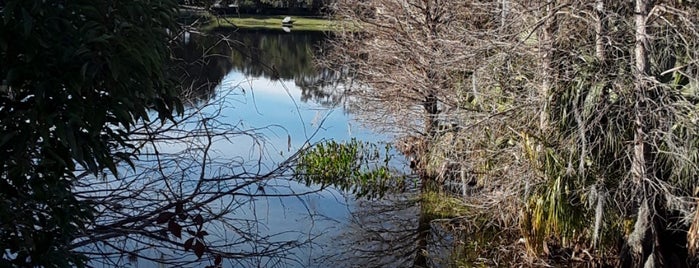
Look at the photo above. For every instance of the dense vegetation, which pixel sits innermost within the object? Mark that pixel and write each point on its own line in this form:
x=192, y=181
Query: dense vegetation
x=573, y=123
x=571, y=126
x=75, y=76
x=357, y=167
x=90, y=113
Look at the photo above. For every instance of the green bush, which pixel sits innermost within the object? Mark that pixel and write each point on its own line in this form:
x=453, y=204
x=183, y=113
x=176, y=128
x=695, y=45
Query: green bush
x=75, y=77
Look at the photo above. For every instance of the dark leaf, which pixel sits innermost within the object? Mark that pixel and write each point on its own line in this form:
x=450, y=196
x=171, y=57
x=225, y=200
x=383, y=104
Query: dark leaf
x=175, y=228
x=190, y=232
x=179, y=208
x=199, y=220
x=199, y=249
x=164, y=217
x=202, y=234
x=163, y=232
x=218, y=260
x=7, y=137
x=188, y=244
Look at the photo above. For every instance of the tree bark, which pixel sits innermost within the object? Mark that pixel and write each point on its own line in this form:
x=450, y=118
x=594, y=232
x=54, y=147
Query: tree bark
x=600, y=53
x=643, y=240
x=546, y=49
x=431, y=106
x=431, y=116
x=638, y=164
x=600, y=31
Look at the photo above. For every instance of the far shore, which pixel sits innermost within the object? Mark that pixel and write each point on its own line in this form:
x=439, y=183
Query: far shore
x=270, y=22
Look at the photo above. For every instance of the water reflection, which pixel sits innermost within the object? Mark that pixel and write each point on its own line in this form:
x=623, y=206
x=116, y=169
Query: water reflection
x=259, y=78
x=201, y=62
x=260, y=75
x=204, y=60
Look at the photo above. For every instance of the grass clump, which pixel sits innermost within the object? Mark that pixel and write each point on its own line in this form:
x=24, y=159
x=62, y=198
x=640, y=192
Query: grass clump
x=438, y=205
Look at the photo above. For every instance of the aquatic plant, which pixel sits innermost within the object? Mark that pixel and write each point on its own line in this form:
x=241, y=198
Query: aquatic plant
x=361, y=168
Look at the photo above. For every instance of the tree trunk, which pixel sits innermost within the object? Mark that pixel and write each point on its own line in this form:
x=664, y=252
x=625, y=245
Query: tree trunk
x=600, y=53
x=638, y=164
x=600, y=31
x=503, y=14
x=642, y=242
x=431, y=116
x=423, y=232
x=642, y=42
x=546, y=49
x=431, y=100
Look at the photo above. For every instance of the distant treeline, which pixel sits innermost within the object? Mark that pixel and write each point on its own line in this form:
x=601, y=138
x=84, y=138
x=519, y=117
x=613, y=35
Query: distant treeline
x=266, y=7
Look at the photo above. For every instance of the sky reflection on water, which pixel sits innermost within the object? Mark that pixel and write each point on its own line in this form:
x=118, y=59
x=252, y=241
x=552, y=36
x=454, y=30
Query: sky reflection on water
x=278, y=113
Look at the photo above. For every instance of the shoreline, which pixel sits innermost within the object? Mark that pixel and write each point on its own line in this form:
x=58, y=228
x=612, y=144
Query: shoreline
x=268, y=22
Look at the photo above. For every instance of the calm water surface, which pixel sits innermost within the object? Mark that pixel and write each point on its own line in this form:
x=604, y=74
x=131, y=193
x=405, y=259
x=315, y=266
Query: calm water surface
x=266, y=80
x=272, y=81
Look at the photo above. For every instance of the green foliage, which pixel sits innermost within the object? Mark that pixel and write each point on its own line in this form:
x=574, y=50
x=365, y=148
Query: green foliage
x=592, y=115
x=439, y=205
x=554, y=209
x=359, y=167
x=75, y=77
x=679, y=152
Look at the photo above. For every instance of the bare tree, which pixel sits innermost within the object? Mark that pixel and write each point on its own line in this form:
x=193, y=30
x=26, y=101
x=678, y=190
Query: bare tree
x=456, y=77
x=577, y=100
x=412, y=42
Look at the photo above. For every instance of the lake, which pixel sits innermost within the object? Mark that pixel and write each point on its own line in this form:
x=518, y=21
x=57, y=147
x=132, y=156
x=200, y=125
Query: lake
x=260, y=99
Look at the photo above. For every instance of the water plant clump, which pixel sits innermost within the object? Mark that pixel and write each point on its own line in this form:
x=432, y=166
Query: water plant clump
x=361, y=168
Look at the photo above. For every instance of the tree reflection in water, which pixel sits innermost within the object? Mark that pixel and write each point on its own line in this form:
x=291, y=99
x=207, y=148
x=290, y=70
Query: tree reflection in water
x=275, y=55
x=380, y=233
x=391, y=232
